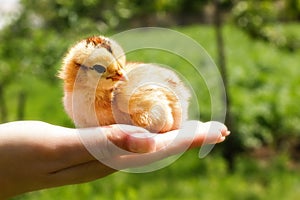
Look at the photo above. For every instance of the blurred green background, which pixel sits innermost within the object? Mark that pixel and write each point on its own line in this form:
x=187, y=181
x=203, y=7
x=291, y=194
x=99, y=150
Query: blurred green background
x=254, y=42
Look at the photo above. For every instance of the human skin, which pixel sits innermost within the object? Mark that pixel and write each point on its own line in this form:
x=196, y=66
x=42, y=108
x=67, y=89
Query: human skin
x=37, y=155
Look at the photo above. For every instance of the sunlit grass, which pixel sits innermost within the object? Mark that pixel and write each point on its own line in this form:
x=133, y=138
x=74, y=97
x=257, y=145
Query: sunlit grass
x=190, y=178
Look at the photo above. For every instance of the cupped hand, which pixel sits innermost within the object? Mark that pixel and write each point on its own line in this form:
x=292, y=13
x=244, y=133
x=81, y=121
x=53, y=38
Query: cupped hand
x=36, y=155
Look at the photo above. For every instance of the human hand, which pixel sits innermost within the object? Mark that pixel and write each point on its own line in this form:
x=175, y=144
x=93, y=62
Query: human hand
x=36, y=155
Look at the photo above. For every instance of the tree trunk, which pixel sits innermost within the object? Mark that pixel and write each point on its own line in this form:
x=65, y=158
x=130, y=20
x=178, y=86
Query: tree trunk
x=21, y=105
x=232, y=146
x=221, y=58
x=3, y=106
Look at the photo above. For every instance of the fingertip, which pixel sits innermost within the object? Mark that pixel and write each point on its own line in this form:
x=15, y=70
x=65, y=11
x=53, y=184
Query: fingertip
x=225, y=133
x=221, y=139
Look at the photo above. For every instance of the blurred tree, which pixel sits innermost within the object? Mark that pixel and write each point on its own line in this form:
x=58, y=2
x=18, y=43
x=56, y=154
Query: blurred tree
x=28, y=50
x=37, y=54
x=260, y=19
x=233, y=146
x=3, y=107
x=291, y=10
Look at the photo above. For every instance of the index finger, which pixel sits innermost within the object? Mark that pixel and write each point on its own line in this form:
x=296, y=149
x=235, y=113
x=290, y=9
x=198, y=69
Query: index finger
x=174, y=142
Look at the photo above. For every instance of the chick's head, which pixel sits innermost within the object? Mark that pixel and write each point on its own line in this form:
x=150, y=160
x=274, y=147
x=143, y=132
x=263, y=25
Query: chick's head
x=96, y=59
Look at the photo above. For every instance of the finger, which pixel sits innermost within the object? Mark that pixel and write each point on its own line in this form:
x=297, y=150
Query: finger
x=214, y=132
x=131, y=138
x=225, y=133
x=115, y=140
x=191, y=135
x=194, y=134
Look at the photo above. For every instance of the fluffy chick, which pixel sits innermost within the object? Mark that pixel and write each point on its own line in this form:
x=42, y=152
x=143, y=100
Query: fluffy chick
x=100, y=88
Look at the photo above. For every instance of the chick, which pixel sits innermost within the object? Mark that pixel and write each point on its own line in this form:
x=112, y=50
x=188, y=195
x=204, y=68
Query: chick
x=100, y=88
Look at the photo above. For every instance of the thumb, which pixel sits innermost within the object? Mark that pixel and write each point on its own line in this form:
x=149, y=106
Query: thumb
x=131, y=138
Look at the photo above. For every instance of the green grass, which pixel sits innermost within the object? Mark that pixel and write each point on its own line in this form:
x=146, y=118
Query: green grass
x=259, y=76
x=190, y=178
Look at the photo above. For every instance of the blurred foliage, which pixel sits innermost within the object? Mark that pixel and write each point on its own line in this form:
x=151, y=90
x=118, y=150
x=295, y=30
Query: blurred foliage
x=260, y=18
x=263, y=82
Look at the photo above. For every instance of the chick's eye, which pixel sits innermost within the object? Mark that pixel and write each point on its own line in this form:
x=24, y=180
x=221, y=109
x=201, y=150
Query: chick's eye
x=99, y=68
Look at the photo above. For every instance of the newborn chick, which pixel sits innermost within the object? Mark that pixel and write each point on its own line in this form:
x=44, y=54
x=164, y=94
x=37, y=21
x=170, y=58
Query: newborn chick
x=100, y=88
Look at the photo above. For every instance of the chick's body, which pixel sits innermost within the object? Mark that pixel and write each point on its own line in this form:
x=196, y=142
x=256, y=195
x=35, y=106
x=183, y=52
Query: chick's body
x=102, y=89
x=153, y=98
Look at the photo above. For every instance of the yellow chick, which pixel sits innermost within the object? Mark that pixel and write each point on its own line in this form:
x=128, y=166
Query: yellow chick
x=100, y=88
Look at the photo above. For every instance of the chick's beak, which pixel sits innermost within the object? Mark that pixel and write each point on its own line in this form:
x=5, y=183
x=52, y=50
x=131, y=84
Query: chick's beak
x=120, y=75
